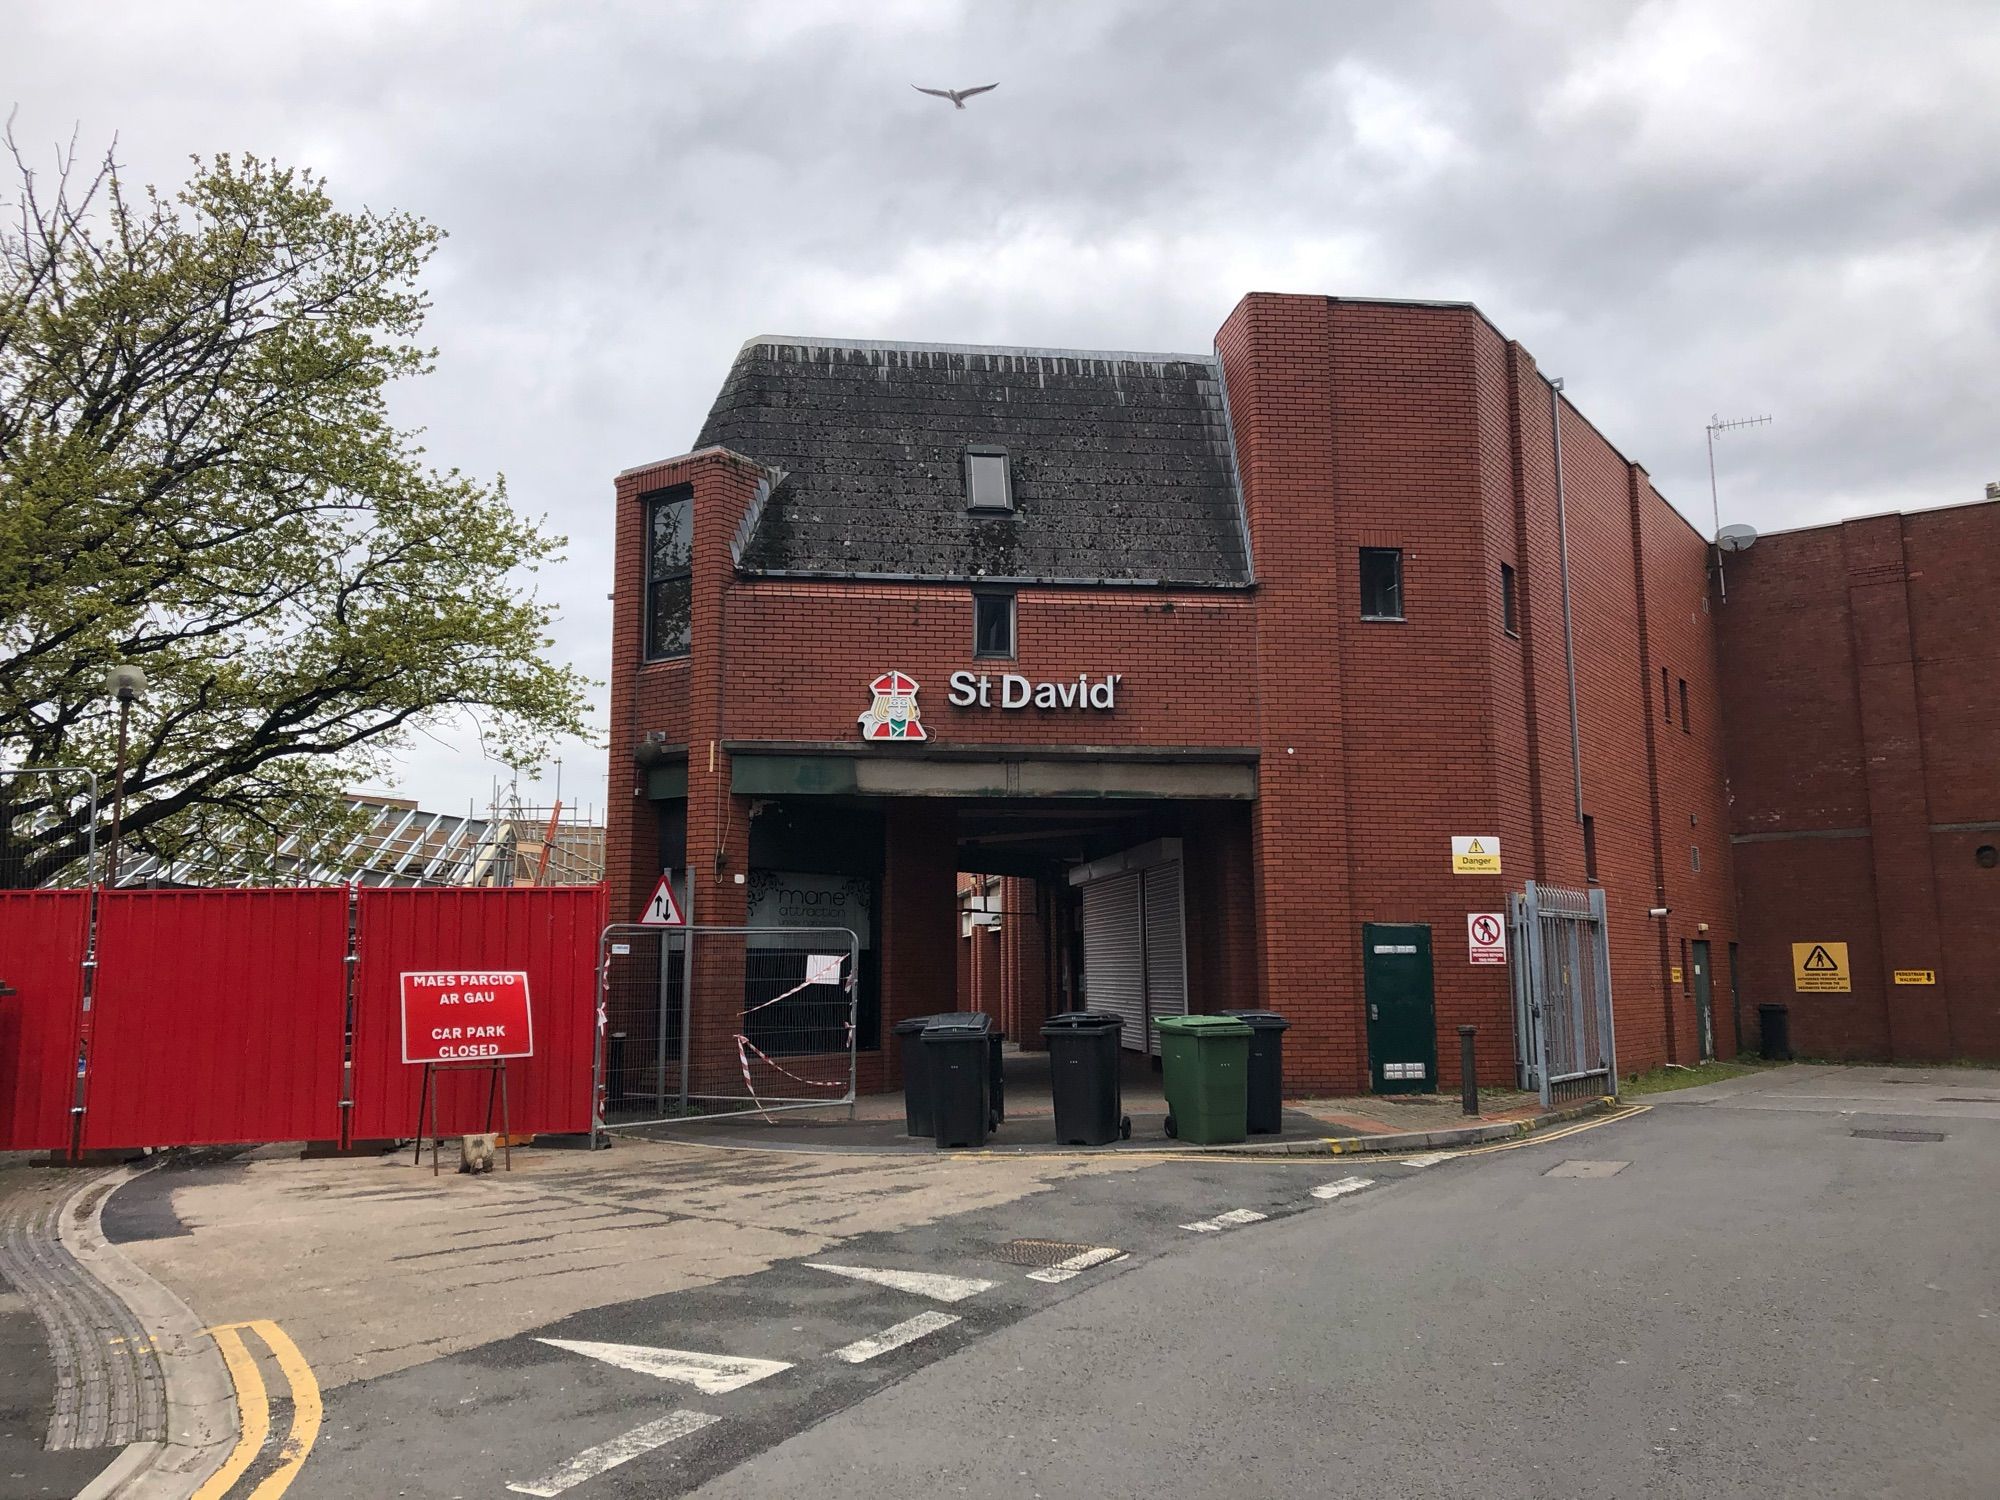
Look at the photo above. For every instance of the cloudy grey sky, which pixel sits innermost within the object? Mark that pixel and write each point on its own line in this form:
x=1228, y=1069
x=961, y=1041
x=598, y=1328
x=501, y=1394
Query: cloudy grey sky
x=1683, y=207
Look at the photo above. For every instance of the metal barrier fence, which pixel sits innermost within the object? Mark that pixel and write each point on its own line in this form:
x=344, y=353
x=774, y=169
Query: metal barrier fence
x=48, y=827
x=1564, y=1038
x=698, y=1022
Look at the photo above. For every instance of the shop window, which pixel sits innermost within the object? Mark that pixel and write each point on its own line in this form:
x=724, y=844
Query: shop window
x=993, y=624
x=1381, y=583
x=1684, y=707
x=669, y=572
x=988, y=484
x=1589, y=847
x=1510, y=608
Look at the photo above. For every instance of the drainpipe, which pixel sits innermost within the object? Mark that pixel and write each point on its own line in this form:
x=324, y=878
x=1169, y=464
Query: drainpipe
x=1569, y=623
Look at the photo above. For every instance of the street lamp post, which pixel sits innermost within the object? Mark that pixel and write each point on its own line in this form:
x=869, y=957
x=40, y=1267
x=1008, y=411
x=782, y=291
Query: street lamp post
x=125, y=683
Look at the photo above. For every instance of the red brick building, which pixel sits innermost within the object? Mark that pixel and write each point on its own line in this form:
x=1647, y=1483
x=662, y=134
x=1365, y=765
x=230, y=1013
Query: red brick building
x=1859, y=668
x=1212, y=660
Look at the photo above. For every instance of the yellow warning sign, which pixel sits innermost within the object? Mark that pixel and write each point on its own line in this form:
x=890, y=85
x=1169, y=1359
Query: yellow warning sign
x=1675, y=971
x=1916, y=976
x=1821, y=969
x=1475, y=854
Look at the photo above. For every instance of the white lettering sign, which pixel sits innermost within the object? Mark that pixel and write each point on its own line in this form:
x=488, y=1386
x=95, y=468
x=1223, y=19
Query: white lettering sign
x=1013, y=691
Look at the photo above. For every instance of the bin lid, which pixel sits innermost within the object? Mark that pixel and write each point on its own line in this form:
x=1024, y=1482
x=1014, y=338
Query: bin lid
x=912, y=1026
x=1258, y=1020
x=1201, y=1026
x=959, y=1023
x=1083, y=1020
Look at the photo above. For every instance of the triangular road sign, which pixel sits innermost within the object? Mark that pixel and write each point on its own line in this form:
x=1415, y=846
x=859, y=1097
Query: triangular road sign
x=711, y=1374
x=661, y=908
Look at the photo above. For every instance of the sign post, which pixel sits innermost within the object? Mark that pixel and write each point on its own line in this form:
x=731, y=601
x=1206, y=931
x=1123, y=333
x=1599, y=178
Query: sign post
x=457, y=1020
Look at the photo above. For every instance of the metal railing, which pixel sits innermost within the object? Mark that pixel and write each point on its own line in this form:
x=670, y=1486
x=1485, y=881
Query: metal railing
x=1564, y=1035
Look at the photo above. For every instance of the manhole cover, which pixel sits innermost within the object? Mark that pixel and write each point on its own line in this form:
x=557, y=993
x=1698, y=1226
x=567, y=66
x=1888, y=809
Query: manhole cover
x=1587, y=1169
x=1897, y=1135
x=1039, y=1252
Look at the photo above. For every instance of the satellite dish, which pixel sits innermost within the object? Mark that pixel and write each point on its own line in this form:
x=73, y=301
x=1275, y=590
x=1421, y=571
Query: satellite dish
x=1736, y=538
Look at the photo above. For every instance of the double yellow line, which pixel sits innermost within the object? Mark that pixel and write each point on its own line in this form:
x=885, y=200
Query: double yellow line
x=254, y=1408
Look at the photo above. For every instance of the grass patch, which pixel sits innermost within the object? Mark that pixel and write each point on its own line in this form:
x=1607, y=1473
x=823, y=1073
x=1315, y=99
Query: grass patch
x=1664, y=1080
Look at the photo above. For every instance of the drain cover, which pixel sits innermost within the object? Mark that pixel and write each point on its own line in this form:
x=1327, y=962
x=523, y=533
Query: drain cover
x=1039, y=1252
x=1897, y=1135
x=1587, y=1169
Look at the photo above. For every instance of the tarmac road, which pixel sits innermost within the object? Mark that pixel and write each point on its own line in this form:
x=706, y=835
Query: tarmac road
x=1760, y=1303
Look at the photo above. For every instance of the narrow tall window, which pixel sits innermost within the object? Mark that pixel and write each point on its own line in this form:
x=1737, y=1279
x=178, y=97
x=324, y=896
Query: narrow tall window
x=987, y=481
x=1510, y=609
x=1589, y=847
x=669, y=572
x=1381, y=583
x=1684, y=707
x=1666, y=702
x=1694, y=858
x=993, y=625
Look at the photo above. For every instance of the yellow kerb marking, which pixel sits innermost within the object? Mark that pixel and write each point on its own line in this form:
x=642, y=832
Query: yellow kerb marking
x=255, y=1408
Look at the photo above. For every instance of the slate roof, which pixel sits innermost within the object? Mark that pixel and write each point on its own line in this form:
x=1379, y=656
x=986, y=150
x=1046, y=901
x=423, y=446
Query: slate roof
x=1121, y=464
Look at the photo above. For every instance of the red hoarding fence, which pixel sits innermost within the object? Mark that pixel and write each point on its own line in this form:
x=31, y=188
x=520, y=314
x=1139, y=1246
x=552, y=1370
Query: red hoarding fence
x=547, y=934
x=43, y=936
x=218, y=1017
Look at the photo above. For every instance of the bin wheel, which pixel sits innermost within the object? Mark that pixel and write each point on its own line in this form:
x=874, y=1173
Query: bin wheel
x=1124, y=1127
x=1171, y=1132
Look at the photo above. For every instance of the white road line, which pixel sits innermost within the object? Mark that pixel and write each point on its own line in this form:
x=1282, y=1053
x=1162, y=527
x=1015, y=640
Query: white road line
x=1343, y=1187
x=1229, y=1220
x=623, y=1449
x=906, y=1332
x=1430, y=1158
x=1076, y=1265
x=711, y=1374
x=923, y=1283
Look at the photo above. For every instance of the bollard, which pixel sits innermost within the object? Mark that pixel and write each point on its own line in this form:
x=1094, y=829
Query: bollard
x=1468, y=1071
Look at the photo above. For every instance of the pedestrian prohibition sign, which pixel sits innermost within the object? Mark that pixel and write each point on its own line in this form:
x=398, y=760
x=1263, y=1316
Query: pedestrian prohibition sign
x=1486, y=937
x=661, y=908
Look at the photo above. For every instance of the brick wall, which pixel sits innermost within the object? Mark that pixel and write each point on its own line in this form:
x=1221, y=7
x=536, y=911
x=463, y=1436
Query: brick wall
x=1858, y=663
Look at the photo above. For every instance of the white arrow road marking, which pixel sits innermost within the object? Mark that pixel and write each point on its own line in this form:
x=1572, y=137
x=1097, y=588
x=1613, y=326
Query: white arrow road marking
x=906, y=1332
x=711, y=1374
x=1229, y=1220
x=1343, y=1187
x=1076, y=1265
x=594, y=1461
x=923, y=1283
x=1429, y=1158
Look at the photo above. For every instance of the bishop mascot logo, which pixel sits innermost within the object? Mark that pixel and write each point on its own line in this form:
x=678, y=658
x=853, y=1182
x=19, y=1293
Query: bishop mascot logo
x=893, y=715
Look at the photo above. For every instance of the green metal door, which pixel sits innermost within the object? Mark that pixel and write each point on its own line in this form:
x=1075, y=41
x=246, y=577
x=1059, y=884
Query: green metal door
x=1402, y=1011
x=1704, y=998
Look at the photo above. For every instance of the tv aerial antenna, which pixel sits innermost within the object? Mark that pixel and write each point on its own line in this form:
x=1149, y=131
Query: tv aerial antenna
x=1738, y=537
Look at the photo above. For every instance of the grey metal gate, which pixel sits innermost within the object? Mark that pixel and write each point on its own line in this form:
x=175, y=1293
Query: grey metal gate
x=696, y=1022
x=1564, y=1041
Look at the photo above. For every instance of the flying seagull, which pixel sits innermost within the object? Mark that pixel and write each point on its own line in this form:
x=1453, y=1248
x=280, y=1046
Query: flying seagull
x=956, y=96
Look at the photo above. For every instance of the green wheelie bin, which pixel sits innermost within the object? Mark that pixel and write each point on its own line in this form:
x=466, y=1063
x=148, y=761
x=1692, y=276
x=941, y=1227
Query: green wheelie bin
x=1205, y=1061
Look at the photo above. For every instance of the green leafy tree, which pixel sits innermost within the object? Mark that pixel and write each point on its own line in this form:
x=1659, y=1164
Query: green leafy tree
x=198, y=475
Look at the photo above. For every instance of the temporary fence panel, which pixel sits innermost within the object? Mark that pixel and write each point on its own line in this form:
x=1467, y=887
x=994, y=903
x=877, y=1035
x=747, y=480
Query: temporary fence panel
x=746, y=1019
x=1565, y=1039
x=549, y=932
x=42, y=945
x=217, y=1017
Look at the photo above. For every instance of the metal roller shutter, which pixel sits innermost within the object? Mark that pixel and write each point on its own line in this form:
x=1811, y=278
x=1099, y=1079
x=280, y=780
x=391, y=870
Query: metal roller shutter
x=1166, y=947
x=1114, y=970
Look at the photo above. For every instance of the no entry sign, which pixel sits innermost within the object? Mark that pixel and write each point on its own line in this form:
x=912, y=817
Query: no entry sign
x=466, y=1015
x=1486, y=937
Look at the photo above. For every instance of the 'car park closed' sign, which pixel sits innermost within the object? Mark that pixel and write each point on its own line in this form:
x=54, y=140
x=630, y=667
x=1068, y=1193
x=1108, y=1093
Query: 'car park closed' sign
x=466, y=1015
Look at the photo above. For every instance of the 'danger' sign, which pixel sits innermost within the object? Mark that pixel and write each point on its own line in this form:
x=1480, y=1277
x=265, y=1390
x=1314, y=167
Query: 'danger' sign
x=466, y=1015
